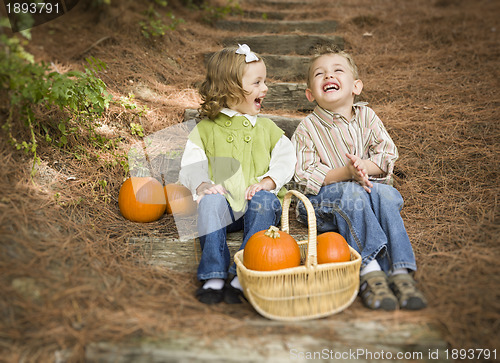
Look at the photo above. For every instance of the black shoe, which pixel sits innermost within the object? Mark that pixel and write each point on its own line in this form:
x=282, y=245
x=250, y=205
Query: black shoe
x=209, y=296
x=232, y=295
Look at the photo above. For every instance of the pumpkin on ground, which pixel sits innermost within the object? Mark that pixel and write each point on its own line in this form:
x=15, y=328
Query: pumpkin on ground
x=179, y=200
x=332, y=247
x=270, y=250
x=141, y=199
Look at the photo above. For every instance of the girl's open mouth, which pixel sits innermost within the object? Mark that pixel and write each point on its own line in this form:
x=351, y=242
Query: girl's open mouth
x=258, y=102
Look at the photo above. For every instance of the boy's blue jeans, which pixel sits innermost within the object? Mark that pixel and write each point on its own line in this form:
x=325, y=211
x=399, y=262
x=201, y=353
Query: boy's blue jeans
x=215, y=219
x=370, y=222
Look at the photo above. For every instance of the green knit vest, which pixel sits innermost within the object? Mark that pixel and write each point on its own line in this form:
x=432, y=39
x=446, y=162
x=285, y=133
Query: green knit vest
x=237, y=152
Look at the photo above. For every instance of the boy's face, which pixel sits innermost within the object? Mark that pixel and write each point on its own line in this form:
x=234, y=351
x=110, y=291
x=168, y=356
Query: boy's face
x=254, y=84
x=332, y=83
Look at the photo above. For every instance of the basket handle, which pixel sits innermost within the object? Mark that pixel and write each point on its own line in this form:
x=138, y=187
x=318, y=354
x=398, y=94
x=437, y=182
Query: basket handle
x=312, y=257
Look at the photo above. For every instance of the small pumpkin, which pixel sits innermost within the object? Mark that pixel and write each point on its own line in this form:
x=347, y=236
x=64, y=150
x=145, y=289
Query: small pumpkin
x=270, y=250
x=179, y=200
x=141, y=199
x=332, y=247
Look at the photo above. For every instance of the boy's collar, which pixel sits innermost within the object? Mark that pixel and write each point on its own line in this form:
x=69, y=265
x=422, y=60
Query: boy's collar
x=231, y=113
x=330, y=115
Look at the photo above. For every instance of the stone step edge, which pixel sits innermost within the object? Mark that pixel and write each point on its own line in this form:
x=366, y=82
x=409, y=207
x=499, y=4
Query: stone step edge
x=361, y=341
x=273, y=14
x=281, y=67
x=309, y=27
x=301, y=44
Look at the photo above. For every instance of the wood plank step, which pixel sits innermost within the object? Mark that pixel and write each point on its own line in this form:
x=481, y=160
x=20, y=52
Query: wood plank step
x=328, y=340
x=263, y=14
x=286, y=67
x=182, y=256
x=287, y=124
x=277, y=4
x=282, y=67
x=287, y=96
x=284, y=26
x=284, y=44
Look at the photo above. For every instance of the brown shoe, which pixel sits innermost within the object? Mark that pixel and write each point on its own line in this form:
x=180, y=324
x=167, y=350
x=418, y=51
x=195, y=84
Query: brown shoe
x=404, y=287
x=375, y=292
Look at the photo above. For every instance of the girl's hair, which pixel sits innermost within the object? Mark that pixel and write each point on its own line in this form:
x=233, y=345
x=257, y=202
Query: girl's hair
x=331, y=49
x=223, y=83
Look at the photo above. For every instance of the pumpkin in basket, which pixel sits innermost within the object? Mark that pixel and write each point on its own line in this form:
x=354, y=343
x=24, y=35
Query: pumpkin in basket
x=270, y=250
x=141, y=199
x=179, y=200
x=332, y=247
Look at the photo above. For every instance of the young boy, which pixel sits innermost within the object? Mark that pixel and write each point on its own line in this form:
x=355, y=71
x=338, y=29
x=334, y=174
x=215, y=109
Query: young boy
x=345, y=160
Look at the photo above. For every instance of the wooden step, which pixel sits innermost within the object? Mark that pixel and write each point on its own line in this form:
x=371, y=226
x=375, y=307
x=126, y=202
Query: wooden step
x=282, y=67
x=263, y=14
x=286, y=67
x=279, y=4
x=182, y=256
x=332, y=339
x=284, y=44
x=284, y=26
x=287, y=96
x=287, y=124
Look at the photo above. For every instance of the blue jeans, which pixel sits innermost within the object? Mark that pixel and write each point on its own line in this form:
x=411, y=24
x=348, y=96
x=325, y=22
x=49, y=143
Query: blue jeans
x=370, y=222
x=216, y=218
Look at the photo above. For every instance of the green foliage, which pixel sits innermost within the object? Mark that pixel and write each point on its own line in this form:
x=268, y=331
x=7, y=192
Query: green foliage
x=30, y=86
x=154, y=25
x=99, y=3
x=161, y=2
x=136, y=129
x=128, y=104
x=213, y=13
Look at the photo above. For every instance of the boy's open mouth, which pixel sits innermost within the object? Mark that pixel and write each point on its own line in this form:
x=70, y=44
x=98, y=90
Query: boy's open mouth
x=258, y=101
x=330, y=87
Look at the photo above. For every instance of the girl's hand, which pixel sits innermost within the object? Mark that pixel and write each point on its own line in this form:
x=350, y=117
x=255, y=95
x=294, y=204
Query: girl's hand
x=358, y=171
x=265, y=184
x=208, y=188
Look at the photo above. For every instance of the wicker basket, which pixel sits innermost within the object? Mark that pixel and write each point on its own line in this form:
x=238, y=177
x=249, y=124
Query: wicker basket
x=308, y=291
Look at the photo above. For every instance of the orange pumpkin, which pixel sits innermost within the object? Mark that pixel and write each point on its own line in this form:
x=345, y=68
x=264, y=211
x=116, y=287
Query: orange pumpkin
x=332, y=247
x=141, y=199
x=271, y=250
x=179, y=200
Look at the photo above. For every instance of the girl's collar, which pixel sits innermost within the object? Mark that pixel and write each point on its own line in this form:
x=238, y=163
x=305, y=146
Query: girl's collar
x=231, y=113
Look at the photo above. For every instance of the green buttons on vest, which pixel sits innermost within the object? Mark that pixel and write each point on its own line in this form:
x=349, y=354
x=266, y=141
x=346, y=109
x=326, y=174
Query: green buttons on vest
x=248, y=138
x=246, y=123
x=228, y=123
x=230, y=138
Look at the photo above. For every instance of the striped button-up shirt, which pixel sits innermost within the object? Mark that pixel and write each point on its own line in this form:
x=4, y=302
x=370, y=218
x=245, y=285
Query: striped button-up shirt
x=323, y=138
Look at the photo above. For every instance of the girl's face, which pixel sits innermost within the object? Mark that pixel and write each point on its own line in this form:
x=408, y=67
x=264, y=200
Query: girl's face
x=254, y=85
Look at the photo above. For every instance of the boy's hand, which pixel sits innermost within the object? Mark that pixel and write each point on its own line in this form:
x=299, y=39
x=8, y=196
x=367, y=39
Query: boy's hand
x=265, y=184
x=359, y=173
x=208, y=188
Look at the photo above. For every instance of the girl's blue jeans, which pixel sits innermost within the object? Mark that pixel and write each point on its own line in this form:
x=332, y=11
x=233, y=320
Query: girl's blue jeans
x=370, y=222
x=216, y=219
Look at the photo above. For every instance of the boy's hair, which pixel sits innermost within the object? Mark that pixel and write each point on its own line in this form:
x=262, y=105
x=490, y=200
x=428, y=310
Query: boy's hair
x=323, y=49
x=223, y=82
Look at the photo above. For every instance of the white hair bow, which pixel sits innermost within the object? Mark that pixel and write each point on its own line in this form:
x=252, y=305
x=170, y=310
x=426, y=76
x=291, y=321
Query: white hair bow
x=249, y=55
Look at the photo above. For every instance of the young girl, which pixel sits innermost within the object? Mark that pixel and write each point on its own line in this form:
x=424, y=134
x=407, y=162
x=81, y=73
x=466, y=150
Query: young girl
x=235, y=164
